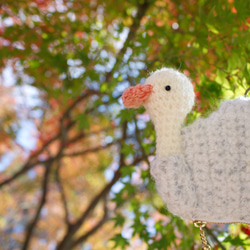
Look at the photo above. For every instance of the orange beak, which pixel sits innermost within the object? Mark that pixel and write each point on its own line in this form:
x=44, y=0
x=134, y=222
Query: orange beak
x=134, y=97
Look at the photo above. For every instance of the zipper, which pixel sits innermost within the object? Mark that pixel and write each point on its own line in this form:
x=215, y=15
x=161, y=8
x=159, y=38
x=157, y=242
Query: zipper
x=222, y=223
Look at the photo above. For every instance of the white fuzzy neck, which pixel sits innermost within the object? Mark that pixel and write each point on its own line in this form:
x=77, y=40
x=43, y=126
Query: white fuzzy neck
x=168, y=137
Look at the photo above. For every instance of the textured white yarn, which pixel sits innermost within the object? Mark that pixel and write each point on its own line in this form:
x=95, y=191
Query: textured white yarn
x=205, y=174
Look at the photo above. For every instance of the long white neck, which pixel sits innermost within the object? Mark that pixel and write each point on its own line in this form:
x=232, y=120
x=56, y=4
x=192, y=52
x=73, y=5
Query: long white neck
x=168, y=137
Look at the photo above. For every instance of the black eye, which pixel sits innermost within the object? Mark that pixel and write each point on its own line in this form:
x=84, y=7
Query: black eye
x=168, y=88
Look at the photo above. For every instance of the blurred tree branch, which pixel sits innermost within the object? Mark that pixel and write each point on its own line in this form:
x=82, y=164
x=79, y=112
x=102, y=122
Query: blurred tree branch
x=90, y=150
x=95, y=228
x=31, y=226
x=63, y=195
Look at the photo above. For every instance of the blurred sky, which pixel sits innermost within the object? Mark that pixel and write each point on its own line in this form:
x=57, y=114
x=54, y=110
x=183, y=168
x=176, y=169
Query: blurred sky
x=26, y=97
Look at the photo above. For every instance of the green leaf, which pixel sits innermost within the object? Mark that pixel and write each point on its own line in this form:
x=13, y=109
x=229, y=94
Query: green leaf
x=118, y=199
x=212, y=28
x=236, y=241
x=34, y=64
x=83, y=122
x=126, y=115
x=127, y=171
x=120, y=241
x=104, y=87
x=145, y=174
x=127, y=149
x=129, y=188
x=246, y=72
x=119, y=220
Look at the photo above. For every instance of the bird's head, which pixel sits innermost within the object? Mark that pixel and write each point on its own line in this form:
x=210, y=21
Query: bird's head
x=165, y=93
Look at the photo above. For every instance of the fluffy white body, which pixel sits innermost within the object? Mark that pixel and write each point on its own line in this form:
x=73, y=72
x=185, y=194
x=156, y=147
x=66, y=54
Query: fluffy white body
x=202, y=171
x=209, y=179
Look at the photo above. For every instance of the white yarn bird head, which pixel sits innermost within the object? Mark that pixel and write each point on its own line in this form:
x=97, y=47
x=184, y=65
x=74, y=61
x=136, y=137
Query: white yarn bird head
x=171, y=94
x=168, y=97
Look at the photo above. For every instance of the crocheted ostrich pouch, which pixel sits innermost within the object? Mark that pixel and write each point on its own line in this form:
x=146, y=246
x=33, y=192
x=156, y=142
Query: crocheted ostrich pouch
x=201, y=171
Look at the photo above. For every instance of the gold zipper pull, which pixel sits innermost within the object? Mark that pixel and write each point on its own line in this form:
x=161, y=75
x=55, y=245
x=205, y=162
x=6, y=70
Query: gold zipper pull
x=200, y=225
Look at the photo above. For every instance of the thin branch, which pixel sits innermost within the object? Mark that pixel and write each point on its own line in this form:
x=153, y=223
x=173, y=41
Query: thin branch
x=64, y=139
x=90, y=150
x=31, y=226
x=77, y=101
x=76, y=138
x=26, y=167
x=63, y=196
x=139, y=140
x=94, y=229
x=85, y=135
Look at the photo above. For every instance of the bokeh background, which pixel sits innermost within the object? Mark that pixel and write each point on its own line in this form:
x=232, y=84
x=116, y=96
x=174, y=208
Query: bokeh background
x=74, y=170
